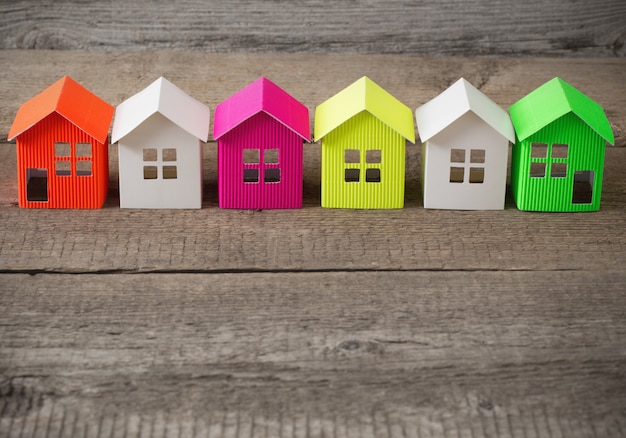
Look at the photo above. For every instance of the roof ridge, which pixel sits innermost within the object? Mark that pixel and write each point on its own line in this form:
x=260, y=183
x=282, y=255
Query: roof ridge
x=364, y=95
x=455, y=102
x=261, y=95
x=159, y=97
x=60, y=97
x=529, y=116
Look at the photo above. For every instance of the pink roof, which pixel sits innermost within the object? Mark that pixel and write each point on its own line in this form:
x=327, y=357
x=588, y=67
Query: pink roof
x=262, y=95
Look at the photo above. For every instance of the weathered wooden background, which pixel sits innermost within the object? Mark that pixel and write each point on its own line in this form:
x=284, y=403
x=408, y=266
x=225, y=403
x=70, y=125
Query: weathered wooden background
x=313, y=323
x=444, y=27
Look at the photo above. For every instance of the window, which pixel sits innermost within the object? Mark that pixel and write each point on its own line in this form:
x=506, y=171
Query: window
x=539, y=150
x=166, y=166
x=373, y=156
x=460, y=168
x=457, y=174
x=558, y=170
x=252, y=164
x=259, y=162
x=149, y=155
x=251, y=175
x=270, y=156
x=150, y=169
x=537, y=170
x=477, y=155
x=457, y=156
x=62, y=159
x=83, y=150
x=150, y=172
x=373, y=160
x=548, y=160
x=63, y=168
x=170, y=172
x=62, y=149
x=75, y=161
x=251, y=156
x=272, y=175
x=559, y=150
x=169, y=154
x=372, y=175
x=477, y=175
x=352, y=156
x=352, y=175
x=83, y=168
x=84, y=159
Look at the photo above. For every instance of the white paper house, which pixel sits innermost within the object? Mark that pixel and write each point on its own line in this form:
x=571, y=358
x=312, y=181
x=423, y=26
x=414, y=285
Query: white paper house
x=160, y=131
x=465, y=138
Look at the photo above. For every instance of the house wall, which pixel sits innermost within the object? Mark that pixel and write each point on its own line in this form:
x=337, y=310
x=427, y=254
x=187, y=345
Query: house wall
x=363, y=132
x=260, y=132
x=35, y=149
x=185, y=191
x=586, y=152
x=441, y=27
x=468, y=132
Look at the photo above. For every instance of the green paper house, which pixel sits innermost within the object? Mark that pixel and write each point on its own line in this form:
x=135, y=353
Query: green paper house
x=363, y=131
x=558, y=156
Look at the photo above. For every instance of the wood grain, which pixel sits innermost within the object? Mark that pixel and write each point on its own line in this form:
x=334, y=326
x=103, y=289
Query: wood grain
x=448, y=27
x=314, y=354
x=212, y=77
x=318, y=239
x=217, y=240
x=311, y=322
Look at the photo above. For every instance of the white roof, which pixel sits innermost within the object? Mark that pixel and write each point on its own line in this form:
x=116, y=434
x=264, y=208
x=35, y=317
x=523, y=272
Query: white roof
x=167, y=99
x=437, y=114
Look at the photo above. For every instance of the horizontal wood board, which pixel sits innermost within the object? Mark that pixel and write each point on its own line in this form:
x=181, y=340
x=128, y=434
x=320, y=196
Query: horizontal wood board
x=314, y=239
x=311, y=322
x=213, y=77
x=446, y=27
x=314, y=354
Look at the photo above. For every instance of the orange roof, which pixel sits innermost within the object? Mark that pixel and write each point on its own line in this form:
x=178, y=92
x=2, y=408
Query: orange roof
x=70, y=100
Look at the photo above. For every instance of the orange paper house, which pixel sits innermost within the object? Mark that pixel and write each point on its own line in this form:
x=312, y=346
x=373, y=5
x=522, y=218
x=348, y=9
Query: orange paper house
x=62, y=148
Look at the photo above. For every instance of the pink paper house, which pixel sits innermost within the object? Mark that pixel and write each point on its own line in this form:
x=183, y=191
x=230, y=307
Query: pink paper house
x=260, y=132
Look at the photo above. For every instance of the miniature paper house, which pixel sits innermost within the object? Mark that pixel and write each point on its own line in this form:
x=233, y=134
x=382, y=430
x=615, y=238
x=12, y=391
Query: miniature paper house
x=558, y=156
x=363, y=130
x=465, y=148
x=260, y=133
x=62, y=148
x=160, y=131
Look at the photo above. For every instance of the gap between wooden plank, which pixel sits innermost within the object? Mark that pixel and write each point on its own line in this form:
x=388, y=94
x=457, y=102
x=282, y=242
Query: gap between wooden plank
x=33, y=272
x=311, y=354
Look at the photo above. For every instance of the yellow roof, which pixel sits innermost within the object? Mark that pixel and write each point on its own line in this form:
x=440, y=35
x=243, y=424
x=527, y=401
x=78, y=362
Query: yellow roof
x=364, y=95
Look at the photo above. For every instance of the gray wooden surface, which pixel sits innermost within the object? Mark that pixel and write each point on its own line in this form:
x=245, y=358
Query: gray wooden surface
x=326, y=354
x=311, y=322
x=444, y=27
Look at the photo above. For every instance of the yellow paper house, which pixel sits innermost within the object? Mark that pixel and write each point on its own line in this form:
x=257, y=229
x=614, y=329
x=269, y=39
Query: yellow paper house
x=363, y=131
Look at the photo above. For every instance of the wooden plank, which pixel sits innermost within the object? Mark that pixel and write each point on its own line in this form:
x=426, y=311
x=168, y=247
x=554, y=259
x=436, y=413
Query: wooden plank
x=447, y=27
x=409, y=323
x=313, y=354
x=312, y=238
x=212, y=77
x=219, y=240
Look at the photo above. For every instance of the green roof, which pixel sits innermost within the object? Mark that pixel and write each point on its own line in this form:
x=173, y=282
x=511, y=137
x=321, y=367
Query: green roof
x=364, y=95
x=553, y=100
